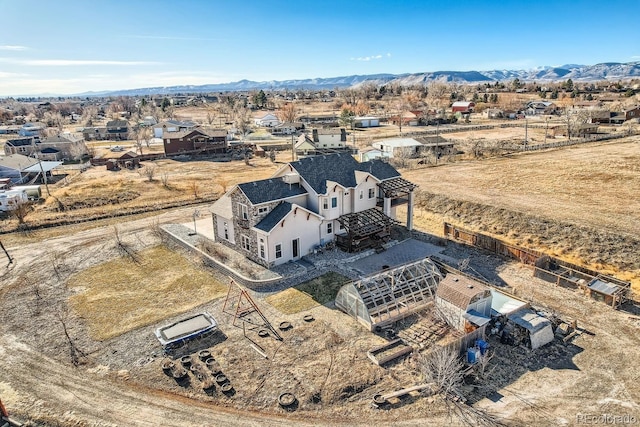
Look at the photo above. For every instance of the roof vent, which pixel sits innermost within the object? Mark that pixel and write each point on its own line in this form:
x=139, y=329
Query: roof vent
x=470, y=286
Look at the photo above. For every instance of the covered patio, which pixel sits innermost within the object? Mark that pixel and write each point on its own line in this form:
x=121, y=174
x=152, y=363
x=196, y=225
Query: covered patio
x=364, y=230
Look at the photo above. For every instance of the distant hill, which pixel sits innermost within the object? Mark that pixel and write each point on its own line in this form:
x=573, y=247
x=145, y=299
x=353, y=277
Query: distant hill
x=578, y=73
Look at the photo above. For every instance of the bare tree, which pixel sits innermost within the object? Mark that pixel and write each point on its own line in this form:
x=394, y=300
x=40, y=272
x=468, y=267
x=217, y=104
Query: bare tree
x=62, y=315
x=288, y=112
x=194, y=187
x=149, y=171
x=123, y=247
x=443, y=368
x=223, y=182
x=164, y=178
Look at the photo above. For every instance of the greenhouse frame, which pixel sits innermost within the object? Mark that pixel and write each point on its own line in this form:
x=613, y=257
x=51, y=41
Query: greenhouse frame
x=391, y=295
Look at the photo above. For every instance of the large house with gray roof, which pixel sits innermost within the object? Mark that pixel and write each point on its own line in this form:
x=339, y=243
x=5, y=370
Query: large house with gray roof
x=310, y=202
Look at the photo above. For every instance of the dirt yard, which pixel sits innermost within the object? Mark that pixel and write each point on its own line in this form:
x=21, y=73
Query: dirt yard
x=579, y=204
x=48, y=317
x=119, y=379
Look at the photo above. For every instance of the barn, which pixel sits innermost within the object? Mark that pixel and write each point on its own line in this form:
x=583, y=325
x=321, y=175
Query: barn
x=463, y=107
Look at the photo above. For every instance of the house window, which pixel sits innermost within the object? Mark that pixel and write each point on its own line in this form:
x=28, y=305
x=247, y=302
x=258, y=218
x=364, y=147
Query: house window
x=325, y=203
x=361, y=194
x=279, y=250
x=263, y=209
x=329, y=228
x=334, y=202
x=244, y=212
x=226, y=231
x=262, y=250
x=372, y=193
x=245, y=243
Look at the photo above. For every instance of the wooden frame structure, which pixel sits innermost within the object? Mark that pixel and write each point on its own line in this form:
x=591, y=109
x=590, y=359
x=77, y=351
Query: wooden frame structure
x=392, y=295
x=395, y=187
x=241, y=306
x=365, y=229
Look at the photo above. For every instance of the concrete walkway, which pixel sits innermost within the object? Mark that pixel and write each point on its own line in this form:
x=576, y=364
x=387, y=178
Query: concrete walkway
x=407, y=251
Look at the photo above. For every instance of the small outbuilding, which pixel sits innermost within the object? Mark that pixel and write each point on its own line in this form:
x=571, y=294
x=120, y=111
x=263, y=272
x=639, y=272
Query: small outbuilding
x=609, y=290
x=391, y=295
x=465, y=303
x=531, y=329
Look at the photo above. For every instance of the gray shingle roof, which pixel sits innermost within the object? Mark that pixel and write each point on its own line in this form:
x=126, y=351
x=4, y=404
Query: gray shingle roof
x=274, y=217
x=340, y=168
x=268, y=190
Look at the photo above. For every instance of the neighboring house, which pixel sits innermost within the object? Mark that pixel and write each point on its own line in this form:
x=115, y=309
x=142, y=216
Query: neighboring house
x=266, y=120
x=408, y=118
x=494, y=113
x=31, y=129
x=600, y=116
x=436, y=145
x=632, y=113
x=329, y=138
x=9, y=129
x=67, y=146
x=464, y=107
x=25, y=145
x=465, y=303
x=578, y=130
x=172, y=126
x=204, y=140
x=94, y=133
x=118, y=130
x=129, y=160
x=534, y=108
x=366, y=122
x=371, y=153
x=399, y=147
x=310, y=202
x=320, y=120
x=286, y=128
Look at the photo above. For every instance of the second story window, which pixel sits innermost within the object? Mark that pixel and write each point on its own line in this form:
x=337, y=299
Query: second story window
x=325, y=203
x=372, y=193
x=334, y=202
x=244, y=212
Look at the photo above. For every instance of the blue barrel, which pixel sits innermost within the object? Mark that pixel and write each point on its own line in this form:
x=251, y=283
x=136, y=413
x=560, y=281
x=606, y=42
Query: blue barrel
x=482, y=345
x=473, y=354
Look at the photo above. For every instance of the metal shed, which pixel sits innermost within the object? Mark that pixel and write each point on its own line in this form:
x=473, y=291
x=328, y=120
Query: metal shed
x=391, y=295
x=538, y=328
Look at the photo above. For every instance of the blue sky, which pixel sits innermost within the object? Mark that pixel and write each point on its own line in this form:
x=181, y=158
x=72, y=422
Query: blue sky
x=68, y=46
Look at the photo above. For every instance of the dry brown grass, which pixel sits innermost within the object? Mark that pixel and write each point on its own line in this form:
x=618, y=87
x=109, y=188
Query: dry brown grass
x=118, y=296
x=309, y=294
x=577, y=204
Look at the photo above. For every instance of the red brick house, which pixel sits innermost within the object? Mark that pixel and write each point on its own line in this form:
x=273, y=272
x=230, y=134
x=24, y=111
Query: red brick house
x=195, y=141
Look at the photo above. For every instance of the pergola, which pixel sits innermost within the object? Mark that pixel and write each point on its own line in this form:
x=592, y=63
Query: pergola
x=391, y=295
x=364, y=229
x=394, y=192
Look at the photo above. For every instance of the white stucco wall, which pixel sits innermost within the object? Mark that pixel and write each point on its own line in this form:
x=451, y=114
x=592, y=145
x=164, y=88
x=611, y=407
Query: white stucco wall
x=301, y=225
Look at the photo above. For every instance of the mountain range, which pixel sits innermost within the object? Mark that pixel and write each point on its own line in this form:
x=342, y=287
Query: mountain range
x=578, y=73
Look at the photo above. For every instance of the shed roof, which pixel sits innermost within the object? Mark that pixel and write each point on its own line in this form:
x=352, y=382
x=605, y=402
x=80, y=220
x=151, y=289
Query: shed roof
x=398, y=142
x=504, y=304
x=603, y=287
x=17, y=162
x=529, y=320
x=459, y=290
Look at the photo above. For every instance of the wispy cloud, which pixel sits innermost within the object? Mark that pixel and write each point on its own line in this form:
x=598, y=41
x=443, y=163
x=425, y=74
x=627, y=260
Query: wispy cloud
x=635, y=57
x=148, y=37
x=71, y=62
x=369, y=58
x=13, y=47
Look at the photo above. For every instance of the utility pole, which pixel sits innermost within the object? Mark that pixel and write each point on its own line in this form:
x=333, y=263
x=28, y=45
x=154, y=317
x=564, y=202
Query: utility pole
x=526, y=131
x=293, y=149
x=546, y=129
